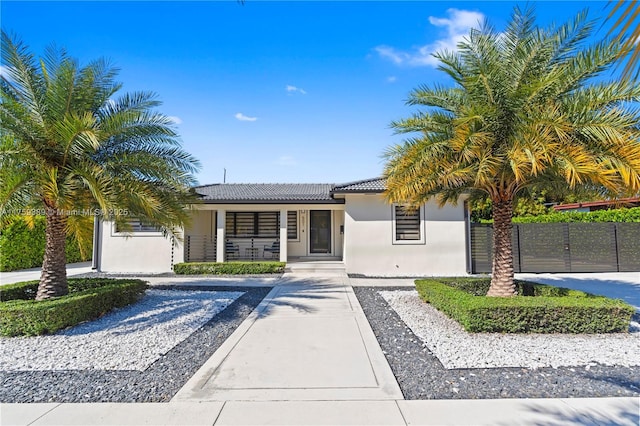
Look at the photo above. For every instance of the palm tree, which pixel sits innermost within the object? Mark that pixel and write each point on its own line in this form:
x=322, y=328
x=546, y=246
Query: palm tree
x=628, y=25
x=525, y=111
x=71, y=148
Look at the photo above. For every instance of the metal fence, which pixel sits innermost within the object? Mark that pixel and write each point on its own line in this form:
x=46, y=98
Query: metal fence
x=200, y=248
x=563, y=247
x=252, y=249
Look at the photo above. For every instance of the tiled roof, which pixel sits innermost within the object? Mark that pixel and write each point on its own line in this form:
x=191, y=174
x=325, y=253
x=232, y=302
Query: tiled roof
x=266, y=192
x=367, y=185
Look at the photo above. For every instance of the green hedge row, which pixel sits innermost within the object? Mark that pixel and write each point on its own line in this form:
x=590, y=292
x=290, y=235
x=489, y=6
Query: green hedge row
x=617, y=215
x=228, y=268
x=537, y=309
x=88, y=298
x=22, y=247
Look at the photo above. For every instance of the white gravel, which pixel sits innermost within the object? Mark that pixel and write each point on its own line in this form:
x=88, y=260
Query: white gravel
x=131, y=338
x=455, y=348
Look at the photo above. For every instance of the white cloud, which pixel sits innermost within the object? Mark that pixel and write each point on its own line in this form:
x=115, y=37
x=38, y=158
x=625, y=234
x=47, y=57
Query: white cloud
x=240, y=116
x=176, y=120
x=457, y=26
x=289, y=88
x=392, y=79
x=286, y=160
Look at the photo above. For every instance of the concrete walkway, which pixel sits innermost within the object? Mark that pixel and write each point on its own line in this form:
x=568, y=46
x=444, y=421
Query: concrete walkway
x=307, y=356
x=34, y=273
x=307, y=340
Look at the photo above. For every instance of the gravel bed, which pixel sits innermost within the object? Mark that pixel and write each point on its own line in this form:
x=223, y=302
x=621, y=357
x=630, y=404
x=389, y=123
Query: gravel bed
x=456, y=348
x=157, y=383
x=421, y=375
x=131, y=338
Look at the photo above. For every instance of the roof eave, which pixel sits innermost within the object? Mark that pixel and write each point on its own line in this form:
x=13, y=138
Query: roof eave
x=331, y=201
x=357, y=191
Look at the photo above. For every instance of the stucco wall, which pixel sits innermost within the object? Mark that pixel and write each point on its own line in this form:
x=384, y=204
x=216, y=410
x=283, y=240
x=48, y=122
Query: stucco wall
x=371, y=251
x=149, y=252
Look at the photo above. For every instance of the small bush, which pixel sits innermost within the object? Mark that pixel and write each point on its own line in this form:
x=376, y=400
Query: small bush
x=228, y=268
x=88, y=298
x=537, y=309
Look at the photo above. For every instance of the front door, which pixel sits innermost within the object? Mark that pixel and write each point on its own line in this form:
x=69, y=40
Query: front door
x=320, y=231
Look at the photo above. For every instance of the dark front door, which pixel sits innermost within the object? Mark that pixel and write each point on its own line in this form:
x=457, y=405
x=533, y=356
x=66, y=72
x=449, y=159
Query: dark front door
x=320, y=227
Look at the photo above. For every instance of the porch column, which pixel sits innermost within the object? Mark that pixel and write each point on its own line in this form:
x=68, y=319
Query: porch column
x=221, y=218
x=283, y=235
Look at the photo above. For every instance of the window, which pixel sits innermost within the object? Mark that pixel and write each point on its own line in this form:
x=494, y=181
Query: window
x=292, y=225
x=136, y=225
x=407, y=225
x=252, y=224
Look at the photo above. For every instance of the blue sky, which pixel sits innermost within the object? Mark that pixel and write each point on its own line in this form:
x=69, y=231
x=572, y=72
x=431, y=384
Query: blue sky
x=273, y=91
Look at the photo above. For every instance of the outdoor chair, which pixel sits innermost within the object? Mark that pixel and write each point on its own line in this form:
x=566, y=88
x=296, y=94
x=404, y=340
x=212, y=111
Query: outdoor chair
x=274, y=249
x=231, y=250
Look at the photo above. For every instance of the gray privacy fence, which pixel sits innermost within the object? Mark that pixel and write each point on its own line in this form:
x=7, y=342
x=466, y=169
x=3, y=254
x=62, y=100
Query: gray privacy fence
x=563, y=247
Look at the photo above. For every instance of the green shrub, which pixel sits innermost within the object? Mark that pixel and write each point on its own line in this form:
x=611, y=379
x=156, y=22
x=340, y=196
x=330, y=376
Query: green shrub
x=88, y=298
x=22, y=247
x=631, y=215
x=26, y=290
x=228, y=268
x=537, y=309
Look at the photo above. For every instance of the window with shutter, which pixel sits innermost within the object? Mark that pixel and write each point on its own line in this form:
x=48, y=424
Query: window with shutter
x=252, y=224
x=408, y=225
x=292, y=225
x=136, y=225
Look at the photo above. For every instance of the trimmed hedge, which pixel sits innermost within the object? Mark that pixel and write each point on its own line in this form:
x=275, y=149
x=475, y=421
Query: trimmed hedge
x=228, y=268
x=538, y=308
x=616, y=215
x=88, y=298
x=22, y=247
x=623, y=215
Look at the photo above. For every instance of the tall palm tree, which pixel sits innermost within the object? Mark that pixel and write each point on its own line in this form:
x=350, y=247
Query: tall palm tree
x=525, y=111
x=71, y=148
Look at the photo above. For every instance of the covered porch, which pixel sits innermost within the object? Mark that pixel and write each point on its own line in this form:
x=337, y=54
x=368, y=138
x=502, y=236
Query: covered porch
x=264, y=233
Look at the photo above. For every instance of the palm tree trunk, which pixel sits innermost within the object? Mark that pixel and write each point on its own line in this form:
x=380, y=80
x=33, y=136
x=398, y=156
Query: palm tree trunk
x=53, y=280
x=502, y=270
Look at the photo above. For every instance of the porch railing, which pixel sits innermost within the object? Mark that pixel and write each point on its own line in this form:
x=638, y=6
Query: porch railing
x=252, y=249
x=200, y=248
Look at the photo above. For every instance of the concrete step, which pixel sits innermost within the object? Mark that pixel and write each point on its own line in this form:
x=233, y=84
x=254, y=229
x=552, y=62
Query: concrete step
x=315, y=267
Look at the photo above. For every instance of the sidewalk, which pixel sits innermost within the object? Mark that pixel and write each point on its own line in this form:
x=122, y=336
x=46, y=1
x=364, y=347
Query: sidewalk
x=307, y=356
x=34, y=273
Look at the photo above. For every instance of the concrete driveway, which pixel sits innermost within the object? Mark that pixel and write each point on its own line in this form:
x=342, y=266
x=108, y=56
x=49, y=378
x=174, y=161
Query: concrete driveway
x=34, y=273
x=617, y=285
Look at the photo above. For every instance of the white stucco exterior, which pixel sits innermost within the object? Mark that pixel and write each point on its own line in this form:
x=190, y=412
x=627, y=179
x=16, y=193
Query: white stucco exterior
x=362, y=235
x=370, y=248
x=146, y=252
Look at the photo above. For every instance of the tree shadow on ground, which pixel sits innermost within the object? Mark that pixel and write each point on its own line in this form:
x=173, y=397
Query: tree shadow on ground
x=616, y=413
